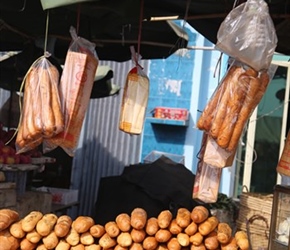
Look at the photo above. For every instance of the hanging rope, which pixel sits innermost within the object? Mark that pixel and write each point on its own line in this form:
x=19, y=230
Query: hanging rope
x=46, y=32
x=140, y=26
x=78, y=18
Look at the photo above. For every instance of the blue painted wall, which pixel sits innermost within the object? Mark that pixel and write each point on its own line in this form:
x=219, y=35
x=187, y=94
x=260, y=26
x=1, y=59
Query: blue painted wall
x=184, y=80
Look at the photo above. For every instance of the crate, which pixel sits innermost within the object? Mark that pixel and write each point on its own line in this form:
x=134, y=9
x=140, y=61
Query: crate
x=171, y=113
x=61, y=195
x=155, y=155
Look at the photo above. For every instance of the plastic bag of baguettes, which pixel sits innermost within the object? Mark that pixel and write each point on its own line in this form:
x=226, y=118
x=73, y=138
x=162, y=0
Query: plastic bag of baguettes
x=248, y=34
x=229, y=108
x=75, y=88
x=41, y=115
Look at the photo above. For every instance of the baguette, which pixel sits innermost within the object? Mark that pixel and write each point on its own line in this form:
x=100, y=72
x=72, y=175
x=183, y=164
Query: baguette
x=138, y=218
x=7, y=217
x=222, y=107
x=256, y=90
x=239, y=87
x=205, y=120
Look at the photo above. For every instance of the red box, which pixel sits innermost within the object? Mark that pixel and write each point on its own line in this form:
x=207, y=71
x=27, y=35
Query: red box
x=171, y=113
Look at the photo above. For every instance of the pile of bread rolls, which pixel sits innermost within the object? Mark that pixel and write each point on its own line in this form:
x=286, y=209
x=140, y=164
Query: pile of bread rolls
x=195, y=229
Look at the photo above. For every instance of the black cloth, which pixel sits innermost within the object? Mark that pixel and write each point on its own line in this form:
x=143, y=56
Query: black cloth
x=155, y=187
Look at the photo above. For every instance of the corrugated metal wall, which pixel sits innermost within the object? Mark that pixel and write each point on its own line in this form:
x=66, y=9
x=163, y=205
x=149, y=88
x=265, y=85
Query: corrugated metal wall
x=103, y=149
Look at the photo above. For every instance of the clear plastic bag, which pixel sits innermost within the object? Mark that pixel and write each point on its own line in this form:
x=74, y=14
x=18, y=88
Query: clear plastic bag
x=41, y=116
x=135, y=99
x=207, y=178
x=248, y=34
x=75, y=88
x=231, y=105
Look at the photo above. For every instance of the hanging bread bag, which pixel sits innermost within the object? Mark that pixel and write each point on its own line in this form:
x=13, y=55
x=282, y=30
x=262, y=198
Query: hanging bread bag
x=248, y=34
x=135, y=99
x=41, y=115
x=75, y=89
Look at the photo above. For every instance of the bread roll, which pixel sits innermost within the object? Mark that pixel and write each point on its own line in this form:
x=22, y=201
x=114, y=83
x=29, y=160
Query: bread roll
x=152, y=226
x=183, y=239
x=173, y=244
x=87, y=239
x=196, y=239
x=123, y=221
x=93, y=247
x=224, y=232
x=8, y=241
x=242, y=240
x=29, y=221
x=138, y=235
x=231, y=245
x=41, y=247
x=82, y=224
x=7, y=217
x=174, y=228
x=16, y=230
x=62, y=226
x=73, y=237
x=150, y=243
x=51, y=240
x=118, y=247
x=25, y=244
x=33, y=236
x=46, y=224
x=208, y=225
x=97, y=230
x=138, y=218
x=62, y=245
x=199, y=214
x=107, y=242
x=164, y=218
x=78, y=247
x=163, y=235
x=124, y=239
x=199, y=247
x=136, y=246
x=191, y=229
x=183, y=218
x=112, y=229
x=211, y=242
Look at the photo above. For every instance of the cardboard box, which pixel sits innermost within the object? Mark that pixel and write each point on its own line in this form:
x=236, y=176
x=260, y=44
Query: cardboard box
x=60, y=195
